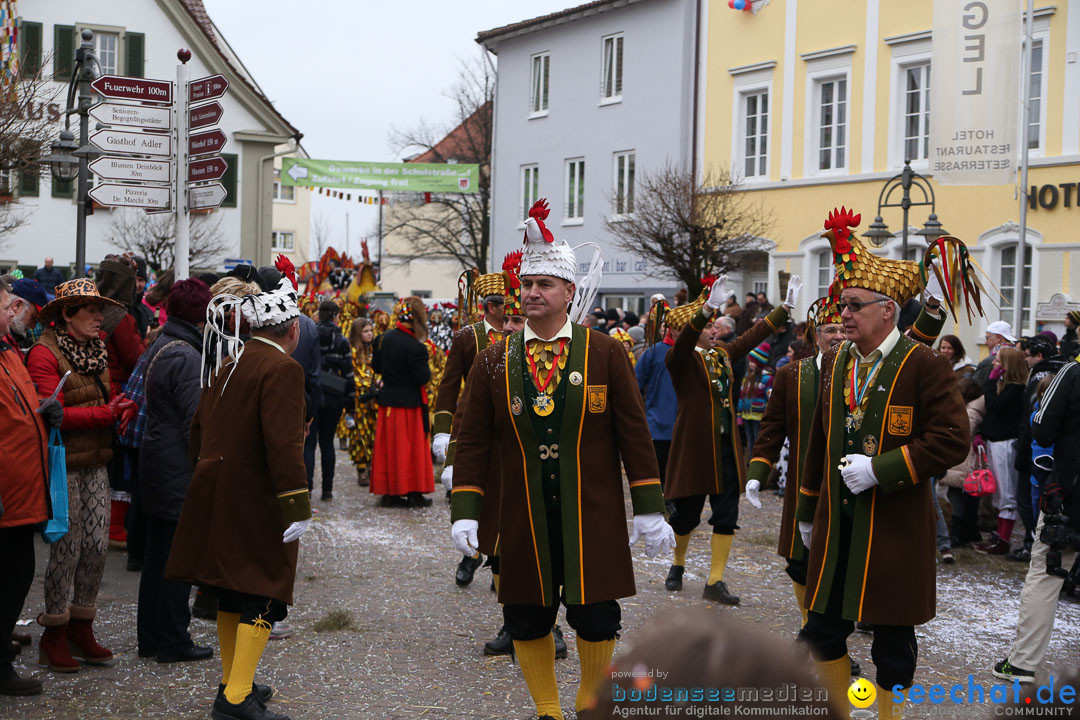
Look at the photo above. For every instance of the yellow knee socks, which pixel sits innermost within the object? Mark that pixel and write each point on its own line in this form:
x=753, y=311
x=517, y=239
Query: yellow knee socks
x=495, y=579
x=835, y=675
x=721, y=548
x=226, y=632
x=537, y=660
x=681, y=543
x=595, y=658
x=800, y=597
x=887, y=705
x=250, y=643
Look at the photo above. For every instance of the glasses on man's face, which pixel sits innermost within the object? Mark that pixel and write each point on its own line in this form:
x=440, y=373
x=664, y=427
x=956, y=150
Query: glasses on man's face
x=855, y=305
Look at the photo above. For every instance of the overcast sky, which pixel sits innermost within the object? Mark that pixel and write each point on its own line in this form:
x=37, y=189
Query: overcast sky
x=345, y=72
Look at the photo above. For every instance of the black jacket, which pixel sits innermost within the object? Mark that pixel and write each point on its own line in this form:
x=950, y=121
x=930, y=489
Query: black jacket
x=336, y=360
x=1002, y=421
x=308, y=355
x=172, y=394
x=1048, y=366
x=1069, y=344
x=1058, y=423
x=402, y=360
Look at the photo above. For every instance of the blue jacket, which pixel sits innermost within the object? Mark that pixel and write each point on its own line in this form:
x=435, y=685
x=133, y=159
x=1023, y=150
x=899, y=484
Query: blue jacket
x=655, y=385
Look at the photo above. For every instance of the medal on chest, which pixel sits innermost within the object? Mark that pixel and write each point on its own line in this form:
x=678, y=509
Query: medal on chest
x=856, y=394
x=543, y=405
x=546, y=362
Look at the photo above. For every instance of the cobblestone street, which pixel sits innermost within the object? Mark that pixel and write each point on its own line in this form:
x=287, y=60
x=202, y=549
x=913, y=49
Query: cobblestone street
x=413, y=647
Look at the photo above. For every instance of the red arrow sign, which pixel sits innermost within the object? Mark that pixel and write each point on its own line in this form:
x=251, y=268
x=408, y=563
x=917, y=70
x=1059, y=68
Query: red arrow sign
x=207, y=88
x=128, y=88
x=208, y=169
x=205, y=115
x=205, y=143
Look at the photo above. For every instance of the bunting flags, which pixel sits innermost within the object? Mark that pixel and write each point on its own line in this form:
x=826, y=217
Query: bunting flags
x=403, y=198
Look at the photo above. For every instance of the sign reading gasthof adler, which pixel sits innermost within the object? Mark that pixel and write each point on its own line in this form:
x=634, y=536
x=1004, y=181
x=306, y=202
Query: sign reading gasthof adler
x=974, y=93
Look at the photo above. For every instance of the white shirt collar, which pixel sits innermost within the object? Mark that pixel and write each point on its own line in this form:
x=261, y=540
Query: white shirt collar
x=566, y=331
x=818, y=360
x=489, y=328
x=268, y=341
x=885, y=347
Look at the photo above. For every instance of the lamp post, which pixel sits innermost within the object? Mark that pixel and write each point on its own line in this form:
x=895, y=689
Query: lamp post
x=878, y=233
x=69, y=160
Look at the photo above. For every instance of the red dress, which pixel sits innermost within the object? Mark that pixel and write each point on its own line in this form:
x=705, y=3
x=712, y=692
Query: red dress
x=401, y=462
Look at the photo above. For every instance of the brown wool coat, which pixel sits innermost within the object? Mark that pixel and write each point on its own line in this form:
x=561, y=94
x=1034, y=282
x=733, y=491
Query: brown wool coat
x=603, y=423
x=920, y=429
x=249, y=484
x=694, y=466
x=488, y=532
x=466, y=343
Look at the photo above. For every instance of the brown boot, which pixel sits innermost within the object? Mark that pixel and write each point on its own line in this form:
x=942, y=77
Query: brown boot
x=53, y=646
x=362, y=477
x=81, y=637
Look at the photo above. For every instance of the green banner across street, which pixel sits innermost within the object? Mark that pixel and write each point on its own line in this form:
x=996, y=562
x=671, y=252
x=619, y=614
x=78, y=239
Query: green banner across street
x=389, y=177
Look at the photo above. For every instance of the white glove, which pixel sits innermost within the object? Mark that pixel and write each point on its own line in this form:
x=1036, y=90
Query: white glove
x=806, y=530
x=794, y=286
x=858, y=473
x=295, y=530
x=720, y=293
x=439, y=445
x=463, y=533
x=934, y=289
x=659, y=537
x=752, y=488
x=447, y=478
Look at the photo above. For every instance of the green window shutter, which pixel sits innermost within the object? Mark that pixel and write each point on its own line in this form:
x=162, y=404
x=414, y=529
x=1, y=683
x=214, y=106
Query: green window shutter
x=63, y=188
x=134, y=47
x=63, y=52
x=29, y=47
x=229, y=180
x=29, y=184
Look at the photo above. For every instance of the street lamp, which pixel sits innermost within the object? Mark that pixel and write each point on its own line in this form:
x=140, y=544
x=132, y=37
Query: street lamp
x=879, y=233
x=69, y=160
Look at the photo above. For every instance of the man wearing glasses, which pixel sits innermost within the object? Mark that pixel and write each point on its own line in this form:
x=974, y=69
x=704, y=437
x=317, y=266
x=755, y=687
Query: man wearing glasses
x=888, y=418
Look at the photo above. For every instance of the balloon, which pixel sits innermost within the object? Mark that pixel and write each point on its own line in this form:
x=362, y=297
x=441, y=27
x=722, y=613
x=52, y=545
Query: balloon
x=740, y=4
x=731, y=4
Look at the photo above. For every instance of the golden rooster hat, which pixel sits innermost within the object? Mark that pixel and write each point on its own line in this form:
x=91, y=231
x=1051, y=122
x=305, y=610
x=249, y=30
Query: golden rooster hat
x=512, y=283
x=676, y=318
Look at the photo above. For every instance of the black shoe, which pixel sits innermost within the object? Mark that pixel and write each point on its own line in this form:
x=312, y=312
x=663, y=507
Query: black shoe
x=147, y=652
x=195, y=652
x=252, y=708
x=855, y=669
x=327, y=496
x=1020, y=554
x=264, y=692
x=1007, y=671
x=718, y=592
x=467, y=568
x=18, y=686
x=560, y=643
x=864, y=628
x=501, y=645
x=674, y=578
x=393, y=501
x=418, y=500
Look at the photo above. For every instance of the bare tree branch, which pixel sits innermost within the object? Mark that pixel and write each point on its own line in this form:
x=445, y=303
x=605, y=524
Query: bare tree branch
x=320, y=236
x=688, y=230
x=154, y=237
x=452, y=225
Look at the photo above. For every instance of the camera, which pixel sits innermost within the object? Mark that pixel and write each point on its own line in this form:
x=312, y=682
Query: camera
x=1057, y=536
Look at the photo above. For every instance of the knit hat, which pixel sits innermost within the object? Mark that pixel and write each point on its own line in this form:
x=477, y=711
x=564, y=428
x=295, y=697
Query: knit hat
x=760, y=354
x=544, y=256
x=1074, y=315
x=188, y=300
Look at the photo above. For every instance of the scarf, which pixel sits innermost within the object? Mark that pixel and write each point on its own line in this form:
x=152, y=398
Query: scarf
x=88, y=358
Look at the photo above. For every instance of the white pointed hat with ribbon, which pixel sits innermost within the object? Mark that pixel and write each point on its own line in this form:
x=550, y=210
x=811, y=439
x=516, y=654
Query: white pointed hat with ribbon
x=543, y=255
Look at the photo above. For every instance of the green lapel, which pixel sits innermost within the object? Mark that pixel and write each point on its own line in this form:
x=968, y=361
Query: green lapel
x=806, y=385
x=530, y=453
x=482, y=339
x=716, y=407
x=570, y=465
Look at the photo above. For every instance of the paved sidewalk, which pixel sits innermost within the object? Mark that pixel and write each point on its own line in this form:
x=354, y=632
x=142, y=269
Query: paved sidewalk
x=415, y=648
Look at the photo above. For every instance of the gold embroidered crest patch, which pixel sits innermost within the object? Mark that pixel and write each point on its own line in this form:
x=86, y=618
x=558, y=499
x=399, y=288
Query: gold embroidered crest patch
x=597, y=398
x=900, y=419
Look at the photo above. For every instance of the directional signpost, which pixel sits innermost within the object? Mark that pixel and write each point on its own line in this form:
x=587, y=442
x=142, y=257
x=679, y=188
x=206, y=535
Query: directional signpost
x=136, y=196
x=133, y=141
x=206, y=142
x=206, y=196
x=132, y=169
x=205, y=115
x=207, y=88
x=144, y=116
x=138, y=89
x=212, y=168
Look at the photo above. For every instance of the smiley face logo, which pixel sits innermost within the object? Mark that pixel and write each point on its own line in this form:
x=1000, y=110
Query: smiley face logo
x=862, y=693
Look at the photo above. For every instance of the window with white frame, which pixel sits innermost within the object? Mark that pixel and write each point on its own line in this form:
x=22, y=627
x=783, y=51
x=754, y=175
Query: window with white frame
x=283, y=193
x=624, y=183
x=916, y=105
x=1035, y=96
x=611, y=81
x=283, y=241
x=824, y=272
x=575, y=190
x=831, y=97
x=755, y=133
x=107, y=48
x=530, y=188
x=538, y=99
x=1007, y=281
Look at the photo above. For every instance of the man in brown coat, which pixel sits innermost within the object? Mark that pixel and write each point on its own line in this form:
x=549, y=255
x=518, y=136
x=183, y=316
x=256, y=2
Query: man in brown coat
x=706, y=452
x=248, y=500
x=889, y=416
x=559, y=403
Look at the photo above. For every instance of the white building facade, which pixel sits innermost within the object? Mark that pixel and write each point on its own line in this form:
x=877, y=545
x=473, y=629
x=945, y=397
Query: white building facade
x=141, y=39
x=586, y=100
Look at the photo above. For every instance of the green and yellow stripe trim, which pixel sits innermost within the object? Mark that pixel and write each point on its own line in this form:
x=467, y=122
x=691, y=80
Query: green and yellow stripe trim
x=295, y=505
x=444, y=420
x=465, y=502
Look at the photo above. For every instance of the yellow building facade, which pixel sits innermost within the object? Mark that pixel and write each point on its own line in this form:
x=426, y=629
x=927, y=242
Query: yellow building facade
x=814, y=104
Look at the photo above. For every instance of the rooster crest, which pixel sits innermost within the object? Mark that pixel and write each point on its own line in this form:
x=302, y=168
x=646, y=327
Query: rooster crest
x=838, y=229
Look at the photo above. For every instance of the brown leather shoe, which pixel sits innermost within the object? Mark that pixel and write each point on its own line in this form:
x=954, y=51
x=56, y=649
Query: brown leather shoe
x=718, y=592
